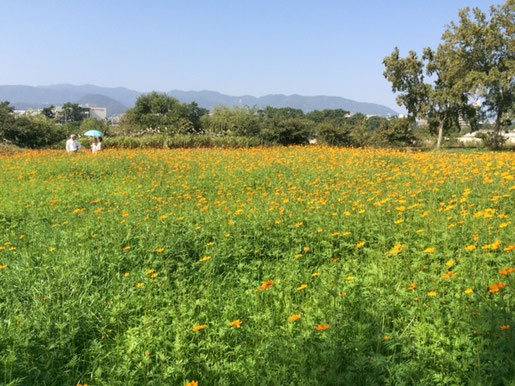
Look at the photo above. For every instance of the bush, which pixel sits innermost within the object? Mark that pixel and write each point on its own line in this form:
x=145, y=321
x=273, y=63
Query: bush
x=33, y=132
x=333, y=134
x=289, y=132
x=159, y=141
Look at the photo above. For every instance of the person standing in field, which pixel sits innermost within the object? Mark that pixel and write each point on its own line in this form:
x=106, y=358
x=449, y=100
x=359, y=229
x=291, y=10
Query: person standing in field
x=72, y=145
x=96, y=146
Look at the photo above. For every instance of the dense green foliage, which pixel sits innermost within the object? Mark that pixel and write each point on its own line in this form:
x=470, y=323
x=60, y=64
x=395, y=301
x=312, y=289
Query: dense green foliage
x=472, y=73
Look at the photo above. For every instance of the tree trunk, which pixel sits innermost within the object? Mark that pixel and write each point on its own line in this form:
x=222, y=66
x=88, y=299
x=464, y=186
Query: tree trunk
x=440, y=134
x=497, y=132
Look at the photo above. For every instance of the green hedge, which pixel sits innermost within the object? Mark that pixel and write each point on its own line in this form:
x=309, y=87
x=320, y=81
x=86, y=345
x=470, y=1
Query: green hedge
x=166, y=142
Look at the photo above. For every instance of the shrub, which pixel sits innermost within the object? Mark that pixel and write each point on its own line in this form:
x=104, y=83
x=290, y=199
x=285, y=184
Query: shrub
x=289, y=132
x=333, y=134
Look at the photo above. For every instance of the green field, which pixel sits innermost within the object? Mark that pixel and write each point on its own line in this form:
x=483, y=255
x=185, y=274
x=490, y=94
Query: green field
x=278, y=266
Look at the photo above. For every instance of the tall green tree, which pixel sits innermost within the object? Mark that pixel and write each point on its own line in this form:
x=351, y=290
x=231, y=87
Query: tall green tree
x=407, y=78
x=160, y=113
x=7, y=120
x=70, y=113
x=48, y=112
x=482, y=51
x=240, y=121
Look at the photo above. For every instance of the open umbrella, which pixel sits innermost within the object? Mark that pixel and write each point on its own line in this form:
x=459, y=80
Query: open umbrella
x=93, y=133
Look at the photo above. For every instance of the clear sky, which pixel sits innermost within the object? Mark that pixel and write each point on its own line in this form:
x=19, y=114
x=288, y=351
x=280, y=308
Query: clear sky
x=237, y=47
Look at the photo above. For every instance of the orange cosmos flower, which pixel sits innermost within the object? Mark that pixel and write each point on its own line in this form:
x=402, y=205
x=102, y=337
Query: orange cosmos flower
x=266, y=285
x=505, y=328
x=199, y=327
x=412, y=287
x=236, y=323
x=322, y=327
x=192, y=383
x=449, y=275
x=160, y=250
x=509, y=248
x=303, y=286
x=294, y=317
x=496, y=287
x=507, y=271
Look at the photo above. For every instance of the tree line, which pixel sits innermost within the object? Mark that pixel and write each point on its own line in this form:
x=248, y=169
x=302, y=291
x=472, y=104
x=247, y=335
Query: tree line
x=470, y=75
x=157, y=113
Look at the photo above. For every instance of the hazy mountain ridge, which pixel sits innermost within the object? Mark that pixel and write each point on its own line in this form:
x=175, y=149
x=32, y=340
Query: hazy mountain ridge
x=119, y=99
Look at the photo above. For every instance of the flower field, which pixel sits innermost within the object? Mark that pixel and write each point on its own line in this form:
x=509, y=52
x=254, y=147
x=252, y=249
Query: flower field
x=298, y=266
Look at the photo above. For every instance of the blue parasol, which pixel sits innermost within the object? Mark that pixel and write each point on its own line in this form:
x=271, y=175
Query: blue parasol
x=93, y=133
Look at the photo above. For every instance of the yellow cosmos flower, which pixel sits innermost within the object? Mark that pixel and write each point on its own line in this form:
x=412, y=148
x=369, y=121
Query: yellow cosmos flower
x=303, y=286
x=429, y=250
x=470, y=248
x=469, y=291
x=397, y=249
x=432, y=294
x=316, y=274
x=235, y=323
x=450, y=263
x=204, y=259
x=160, y=250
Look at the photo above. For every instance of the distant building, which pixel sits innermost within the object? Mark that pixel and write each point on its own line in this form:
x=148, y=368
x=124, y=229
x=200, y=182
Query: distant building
x=99, y=113
x=472, y=138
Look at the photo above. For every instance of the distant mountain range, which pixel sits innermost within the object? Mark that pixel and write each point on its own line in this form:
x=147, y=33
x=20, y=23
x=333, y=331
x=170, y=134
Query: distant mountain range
x=119, y=99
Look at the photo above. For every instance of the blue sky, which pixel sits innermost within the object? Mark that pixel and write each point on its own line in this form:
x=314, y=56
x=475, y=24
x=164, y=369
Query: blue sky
x=235, y=47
